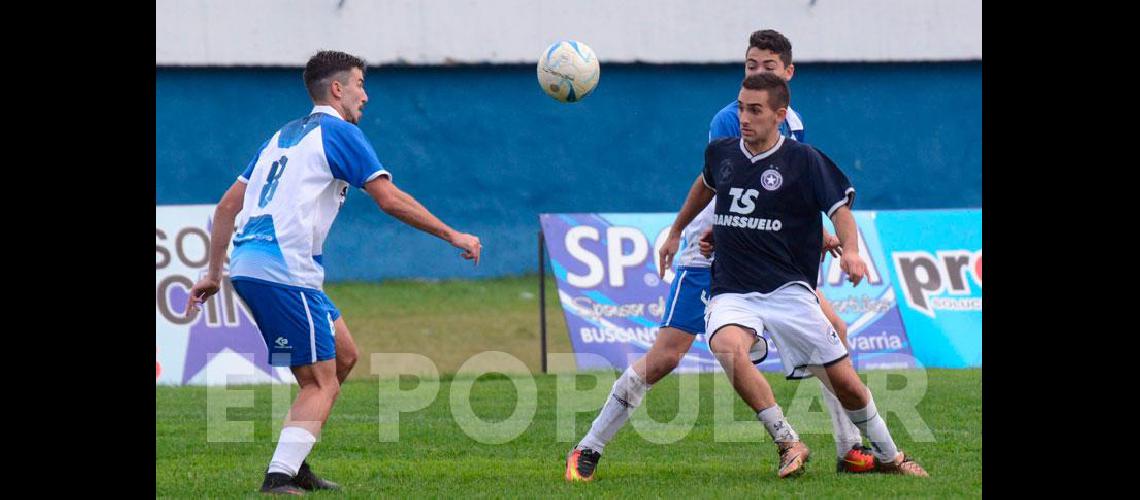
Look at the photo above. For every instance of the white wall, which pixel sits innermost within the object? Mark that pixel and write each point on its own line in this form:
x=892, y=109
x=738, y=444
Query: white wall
x=287, y=32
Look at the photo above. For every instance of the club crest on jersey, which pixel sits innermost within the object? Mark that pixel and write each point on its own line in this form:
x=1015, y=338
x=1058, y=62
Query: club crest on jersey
x=771, y=179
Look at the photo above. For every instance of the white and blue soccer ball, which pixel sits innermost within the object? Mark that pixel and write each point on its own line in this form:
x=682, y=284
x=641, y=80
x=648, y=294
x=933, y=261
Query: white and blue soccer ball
x=568, y=71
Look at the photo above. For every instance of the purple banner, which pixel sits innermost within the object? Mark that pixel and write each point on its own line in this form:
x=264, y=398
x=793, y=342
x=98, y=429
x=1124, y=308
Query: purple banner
x=606, y=269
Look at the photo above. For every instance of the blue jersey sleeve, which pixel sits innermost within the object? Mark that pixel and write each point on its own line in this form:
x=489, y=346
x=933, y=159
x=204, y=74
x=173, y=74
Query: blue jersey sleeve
x=830, y=185
x=244, y=177
x=724, y=124
x=350, y=156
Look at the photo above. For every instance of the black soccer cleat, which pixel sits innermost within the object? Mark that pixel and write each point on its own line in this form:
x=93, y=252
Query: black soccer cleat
x=307, y=480
x=278, y=483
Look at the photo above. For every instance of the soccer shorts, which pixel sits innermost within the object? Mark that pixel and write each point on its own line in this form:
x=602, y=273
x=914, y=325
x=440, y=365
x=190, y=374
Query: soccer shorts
x=793, y=319
x=296, y=323
x=688, y=295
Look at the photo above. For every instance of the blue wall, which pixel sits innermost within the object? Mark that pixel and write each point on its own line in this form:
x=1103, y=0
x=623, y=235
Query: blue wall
x=485, y=150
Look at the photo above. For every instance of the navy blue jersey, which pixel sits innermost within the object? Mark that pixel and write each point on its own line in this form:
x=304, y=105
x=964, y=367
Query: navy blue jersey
x=766, y=222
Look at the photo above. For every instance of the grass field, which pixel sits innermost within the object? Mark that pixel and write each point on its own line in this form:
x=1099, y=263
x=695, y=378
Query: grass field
x=451, y=321
x=435, y=457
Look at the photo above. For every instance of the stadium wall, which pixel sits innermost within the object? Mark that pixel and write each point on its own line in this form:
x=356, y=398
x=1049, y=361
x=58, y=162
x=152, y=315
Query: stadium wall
x=486, y=150
x=285, y=32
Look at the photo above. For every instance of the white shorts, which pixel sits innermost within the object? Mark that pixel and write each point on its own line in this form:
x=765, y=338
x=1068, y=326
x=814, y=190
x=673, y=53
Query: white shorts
x=791, y=315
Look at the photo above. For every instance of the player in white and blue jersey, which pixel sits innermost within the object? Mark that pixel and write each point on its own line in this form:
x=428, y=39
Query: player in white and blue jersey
x=284, y=204
x=768, y=236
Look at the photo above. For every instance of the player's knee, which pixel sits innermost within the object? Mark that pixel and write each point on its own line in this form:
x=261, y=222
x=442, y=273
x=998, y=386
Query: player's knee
x=331, y=390
x=731, y=342
x=325, y=381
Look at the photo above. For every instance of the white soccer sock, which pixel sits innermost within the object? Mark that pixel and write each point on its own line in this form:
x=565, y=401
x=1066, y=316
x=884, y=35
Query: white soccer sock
x=624, y=398
x=846, y=433
x=871, y=423
x=779, y=428
x=292, y=448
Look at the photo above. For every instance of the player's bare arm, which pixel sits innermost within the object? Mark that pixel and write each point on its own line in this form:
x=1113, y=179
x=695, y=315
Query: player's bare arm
x=699, y=197
x=223, y=229
x=830, y=244
x=706, y=243
x=850, y=262
x=395, y=202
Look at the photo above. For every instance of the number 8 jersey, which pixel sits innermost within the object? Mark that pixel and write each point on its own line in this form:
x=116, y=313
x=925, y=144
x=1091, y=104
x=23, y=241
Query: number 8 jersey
x=295, y=186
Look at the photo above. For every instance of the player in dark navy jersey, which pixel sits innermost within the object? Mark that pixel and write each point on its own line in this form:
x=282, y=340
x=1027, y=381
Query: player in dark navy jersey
x=768, y=235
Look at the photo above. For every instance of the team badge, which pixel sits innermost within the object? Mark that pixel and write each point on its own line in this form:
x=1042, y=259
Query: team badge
x=771, y=180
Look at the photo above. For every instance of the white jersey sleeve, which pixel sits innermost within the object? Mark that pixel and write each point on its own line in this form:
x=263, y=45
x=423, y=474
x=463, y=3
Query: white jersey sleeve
x=690, y=253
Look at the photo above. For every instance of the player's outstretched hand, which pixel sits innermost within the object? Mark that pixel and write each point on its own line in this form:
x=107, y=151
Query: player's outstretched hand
x=706, y=243
x=470, y=245
x=204, y=289
x=830, y=244
x=668, y=250
x=852, y=264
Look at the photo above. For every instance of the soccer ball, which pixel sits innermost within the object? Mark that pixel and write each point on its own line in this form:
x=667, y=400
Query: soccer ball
x=568, y=71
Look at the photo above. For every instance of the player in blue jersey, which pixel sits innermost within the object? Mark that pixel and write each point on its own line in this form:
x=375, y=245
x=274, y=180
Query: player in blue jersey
x=284, y=204
x=768, y=233
x=768, y=52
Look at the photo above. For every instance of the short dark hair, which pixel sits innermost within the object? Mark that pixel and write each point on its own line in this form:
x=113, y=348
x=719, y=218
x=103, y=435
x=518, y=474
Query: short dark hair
x=325, y=64
x=772, y=40
x=778, y=93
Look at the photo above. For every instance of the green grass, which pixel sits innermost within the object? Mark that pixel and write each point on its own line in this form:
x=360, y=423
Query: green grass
x=450, y=322
x=434, y=457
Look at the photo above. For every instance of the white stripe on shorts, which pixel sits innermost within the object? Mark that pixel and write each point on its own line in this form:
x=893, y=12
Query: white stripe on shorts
x=312, y=331
x=680, y=281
